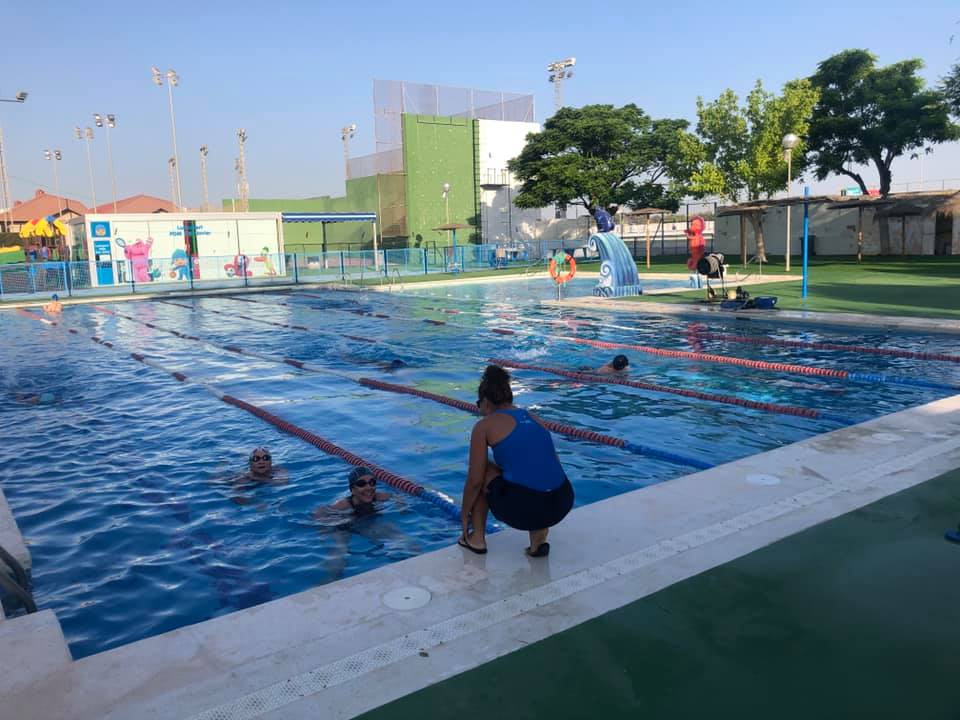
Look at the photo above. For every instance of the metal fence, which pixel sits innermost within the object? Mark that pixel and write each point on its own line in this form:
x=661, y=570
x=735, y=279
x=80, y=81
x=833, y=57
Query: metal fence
x=88, y=277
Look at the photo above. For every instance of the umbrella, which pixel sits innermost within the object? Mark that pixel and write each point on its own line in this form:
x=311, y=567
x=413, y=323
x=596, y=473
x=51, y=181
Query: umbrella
x=60, y=227
x=26, y=230
x=42, y=228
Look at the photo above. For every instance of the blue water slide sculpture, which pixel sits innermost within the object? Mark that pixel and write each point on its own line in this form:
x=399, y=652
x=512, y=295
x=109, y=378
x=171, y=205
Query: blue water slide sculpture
x=618, y=271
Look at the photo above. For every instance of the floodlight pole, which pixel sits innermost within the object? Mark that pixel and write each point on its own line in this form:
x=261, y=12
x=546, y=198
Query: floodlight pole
x=203, y=178
x=559, y=71
x=789, y=142
x=88, y=136
x=346, y=134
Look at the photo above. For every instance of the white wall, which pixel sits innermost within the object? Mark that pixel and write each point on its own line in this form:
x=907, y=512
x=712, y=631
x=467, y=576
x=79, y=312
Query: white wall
x=499, y=142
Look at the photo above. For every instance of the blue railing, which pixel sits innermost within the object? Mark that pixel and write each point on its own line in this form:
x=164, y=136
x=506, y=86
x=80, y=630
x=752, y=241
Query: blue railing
x=88, y=277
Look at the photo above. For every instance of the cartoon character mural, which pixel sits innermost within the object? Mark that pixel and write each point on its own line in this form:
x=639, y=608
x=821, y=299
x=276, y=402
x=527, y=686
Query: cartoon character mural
x=240, y=267
x=138, y=254
x=268, y=266
x=179, y=265
x=696, y=243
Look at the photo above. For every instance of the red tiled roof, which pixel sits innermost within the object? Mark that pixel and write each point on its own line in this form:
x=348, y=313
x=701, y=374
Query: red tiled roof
x=43, y=204
x=137, y=204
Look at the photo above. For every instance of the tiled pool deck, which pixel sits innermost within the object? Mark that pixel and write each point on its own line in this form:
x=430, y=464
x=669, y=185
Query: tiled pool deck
x=855, y=617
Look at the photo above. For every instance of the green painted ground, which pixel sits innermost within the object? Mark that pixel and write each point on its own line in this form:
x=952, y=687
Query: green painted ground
x=858, y=617
x=914, y=286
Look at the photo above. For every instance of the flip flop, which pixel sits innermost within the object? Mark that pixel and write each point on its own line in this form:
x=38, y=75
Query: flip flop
x=952, y=535
x=462, y=542
x=541, y=551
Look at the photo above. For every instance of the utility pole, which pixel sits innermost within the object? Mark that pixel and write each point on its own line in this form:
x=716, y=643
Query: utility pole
x=243, y=186
x=5, y=185
x=110, y=124
x=172, y=168
x=173, y=80
x=560, y=71
x=55, y=156
x=88, y=136
x=203, y=178
x=346, y=134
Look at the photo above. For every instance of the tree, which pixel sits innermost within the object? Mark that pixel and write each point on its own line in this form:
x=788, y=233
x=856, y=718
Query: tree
x=872, y=115
x=950, y=87
x=599, y=156
x=738, y=154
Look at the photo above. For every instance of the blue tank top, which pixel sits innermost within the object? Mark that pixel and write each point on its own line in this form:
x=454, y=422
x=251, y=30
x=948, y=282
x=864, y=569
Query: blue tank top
x=527, y=456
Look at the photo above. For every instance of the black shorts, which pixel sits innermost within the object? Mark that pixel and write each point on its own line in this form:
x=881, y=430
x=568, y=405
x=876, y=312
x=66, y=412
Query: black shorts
x=523, y=508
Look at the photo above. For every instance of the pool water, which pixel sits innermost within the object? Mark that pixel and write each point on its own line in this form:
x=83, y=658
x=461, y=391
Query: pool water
x=539, y=287
x=124, y=484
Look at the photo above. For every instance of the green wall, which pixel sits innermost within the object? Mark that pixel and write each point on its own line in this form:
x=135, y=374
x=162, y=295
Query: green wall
x=438, y=150
x=361, y=196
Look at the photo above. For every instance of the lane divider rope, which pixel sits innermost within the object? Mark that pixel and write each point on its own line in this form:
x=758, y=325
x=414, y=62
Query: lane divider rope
x=557, y=427
x=440, y=500
x=711, y=397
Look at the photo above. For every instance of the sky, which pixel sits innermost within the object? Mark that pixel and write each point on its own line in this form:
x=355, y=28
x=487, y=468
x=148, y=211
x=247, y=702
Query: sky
x=292, y=74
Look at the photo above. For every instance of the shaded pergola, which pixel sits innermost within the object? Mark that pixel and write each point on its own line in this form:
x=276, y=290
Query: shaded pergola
x=901, y=205
x=646, y=213
x=452, y=229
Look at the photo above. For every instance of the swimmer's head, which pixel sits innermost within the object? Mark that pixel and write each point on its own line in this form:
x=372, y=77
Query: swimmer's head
x=363, y=484
x=494, y=389
x=619, y=362
x=396, y=364
x=55, y=297
x=261, y=461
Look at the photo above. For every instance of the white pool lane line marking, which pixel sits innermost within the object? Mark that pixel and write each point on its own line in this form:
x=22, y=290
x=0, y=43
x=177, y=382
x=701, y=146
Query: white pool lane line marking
x=352, y=667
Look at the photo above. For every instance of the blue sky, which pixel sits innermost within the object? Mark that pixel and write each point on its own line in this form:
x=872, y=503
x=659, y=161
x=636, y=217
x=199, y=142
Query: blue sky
x=293, y=73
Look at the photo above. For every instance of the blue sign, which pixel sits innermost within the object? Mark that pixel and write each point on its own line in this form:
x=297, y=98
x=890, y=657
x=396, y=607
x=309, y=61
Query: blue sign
x=100, y=229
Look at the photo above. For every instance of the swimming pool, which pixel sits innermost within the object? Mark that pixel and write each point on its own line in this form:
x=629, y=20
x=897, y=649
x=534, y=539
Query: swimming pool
x=531, y=288
x=122, y=486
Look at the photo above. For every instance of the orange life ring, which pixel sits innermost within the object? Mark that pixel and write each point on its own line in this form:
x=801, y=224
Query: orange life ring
x=557, y=277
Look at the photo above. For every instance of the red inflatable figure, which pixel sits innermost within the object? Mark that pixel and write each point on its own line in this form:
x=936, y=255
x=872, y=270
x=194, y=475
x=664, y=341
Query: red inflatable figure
x=696, y=244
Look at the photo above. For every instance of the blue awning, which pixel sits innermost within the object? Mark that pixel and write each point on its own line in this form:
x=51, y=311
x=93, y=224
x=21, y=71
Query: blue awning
x=328, y=217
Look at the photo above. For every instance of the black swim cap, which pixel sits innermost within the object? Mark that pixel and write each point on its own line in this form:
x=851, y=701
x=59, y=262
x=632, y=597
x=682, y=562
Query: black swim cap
x=397, y=363
x=620, y=362
x=359, y=472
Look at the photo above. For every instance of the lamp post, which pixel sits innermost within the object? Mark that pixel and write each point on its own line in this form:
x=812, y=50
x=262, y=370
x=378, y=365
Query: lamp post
x=244, y=187
x=7, y=198
x=789, y=142
x=55, y=157
x=172, y=170
x=446, y=204
x=88, y=136
x=172, y=81
x=203, y=178
x=346, y=134
x=559, y=71
x=111, y=122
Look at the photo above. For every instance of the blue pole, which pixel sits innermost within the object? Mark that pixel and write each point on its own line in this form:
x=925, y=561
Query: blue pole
x=424, y=251
x=806, y=237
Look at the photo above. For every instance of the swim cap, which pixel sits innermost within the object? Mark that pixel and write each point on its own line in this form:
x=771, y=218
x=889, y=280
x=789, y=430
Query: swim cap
x=55, y=297
x=259, y=451
x=359, y=472
x=397, y=363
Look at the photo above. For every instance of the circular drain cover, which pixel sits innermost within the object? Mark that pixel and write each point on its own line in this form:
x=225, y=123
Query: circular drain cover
x=763, y=479
x=406, y=598
x=883, y=438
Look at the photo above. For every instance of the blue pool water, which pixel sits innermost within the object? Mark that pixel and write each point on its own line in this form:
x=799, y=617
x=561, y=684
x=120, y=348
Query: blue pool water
x=122, y=485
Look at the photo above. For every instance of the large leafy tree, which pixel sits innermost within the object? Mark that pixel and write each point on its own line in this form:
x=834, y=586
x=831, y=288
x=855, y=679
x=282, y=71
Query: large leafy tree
x=872, y=115
x=951, y=89
x=602, y=157
x=738, y=154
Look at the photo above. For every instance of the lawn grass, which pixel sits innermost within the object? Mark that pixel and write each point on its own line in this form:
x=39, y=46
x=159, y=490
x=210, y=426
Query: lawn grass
x=904, y=286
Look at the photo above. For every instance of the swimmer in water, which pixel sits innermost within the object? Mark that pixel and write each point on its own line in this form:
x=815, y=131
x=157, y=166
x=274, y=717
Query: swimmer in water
x=45, y=398
x=262, y=470
x=54, y=307
x=363, y=494
x=617, y=366
x=387, y=365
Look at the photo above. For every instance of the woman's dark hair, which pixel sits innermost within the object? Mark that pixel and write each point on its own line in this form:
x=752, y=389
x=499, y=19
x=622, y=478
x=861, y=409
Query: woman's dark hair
x=620, y=362
x=495, y=386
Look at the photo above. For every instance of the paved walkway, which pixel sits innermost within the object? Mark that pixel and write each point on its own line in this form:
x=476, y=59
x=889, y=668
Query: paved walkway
x=855, y=617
